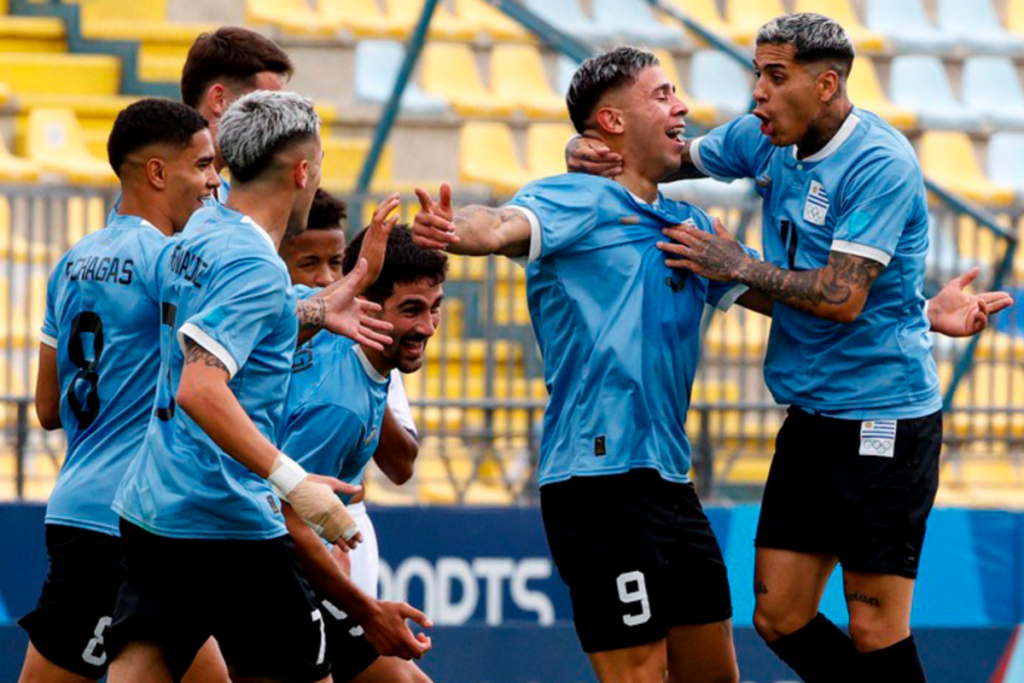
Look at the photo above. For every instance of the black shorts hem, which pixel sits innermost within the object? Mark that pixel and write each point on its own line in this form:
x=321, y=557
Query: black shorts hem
x=58, y=656
x=792, y=546
x=622, y=642
x=888, y=570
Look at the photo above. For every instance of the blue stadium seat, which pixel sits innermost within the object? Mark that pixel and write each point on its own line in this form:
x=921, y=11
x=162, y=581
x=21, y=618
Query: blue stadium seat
x=907, y=27
x=975, y=25
x=1005, y=151
x=377, y=65
x=919, y=83
x=568, y=16
x=992, y=89
x=717, y=79
x=634, y=22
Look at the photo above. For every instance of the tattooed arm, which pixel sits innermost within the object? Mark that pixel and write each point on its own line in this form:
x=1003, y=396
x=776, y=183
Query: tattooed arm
x=836, y=292
x=472, y=230
x=204, y=395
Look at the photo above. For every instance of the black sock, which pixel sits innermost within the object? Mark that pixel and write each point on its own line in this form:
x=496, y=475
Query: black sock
x=897, y=663
x=820, y=652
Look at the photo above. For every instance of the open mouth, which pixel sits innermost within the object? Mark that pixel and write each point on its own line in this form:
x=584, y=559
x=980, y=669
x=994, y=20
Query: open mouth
x=414, y=348
x=676, y=133
x=766, y=125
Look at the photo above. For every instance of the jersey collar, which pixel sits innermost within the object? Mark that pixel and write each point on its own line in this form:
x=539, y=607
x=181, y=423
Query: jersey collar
x=261, y=230
x=841, y=136
x=368, y=366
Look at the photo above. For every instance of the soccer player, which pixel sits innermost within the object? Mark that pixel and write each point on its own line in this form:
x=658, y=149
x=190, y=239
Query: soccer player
x=205, y=546
x=846, y=232
x=619, y=333
x=98, y=364
x=314, y=259
x=336, y=409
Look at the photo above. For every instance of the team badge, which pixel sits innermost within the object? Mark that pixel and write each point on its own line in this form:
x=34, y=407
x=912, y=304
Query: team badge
x=878, y=438
x=816, y=204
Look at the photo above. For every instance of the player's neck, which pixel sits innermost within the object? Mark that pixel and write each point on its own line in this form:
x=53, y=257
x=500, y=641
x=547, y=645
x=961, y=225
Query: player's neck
x=824, y=128
x=148, y=210
x=270, y=210
x=642, y=187
x=377, y=360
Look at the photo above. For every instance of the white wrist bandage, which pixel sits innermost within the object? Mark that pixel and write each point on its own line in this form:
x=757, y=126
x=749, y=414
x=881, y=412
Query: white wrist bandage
x=285, y=475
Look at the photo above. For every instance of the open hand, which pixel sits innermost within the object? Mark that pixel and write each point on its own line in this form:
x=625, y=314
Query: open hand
x=593, y=157
x=375, y=241
x=391, y=636
x=717, y=256
x=955, y=313
x=432, y=228
x=350, y=316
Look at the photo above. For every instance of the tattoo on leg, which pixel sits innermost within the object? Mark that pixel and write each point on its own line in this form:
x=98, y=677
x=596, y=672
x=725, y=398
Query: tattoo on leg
x=311, y=314
x=760, y=588
x=194, y=353
x=866, y=599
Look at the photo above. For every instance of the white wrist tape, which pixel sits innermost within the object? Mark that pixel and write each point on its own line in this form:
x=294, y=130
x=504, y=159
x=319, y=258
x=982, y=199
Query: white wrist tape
x=286, y=474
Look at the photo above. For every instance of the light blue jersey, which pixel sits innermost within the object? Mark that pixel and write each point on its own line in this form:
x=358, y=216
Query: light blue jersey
x=335, y=408
x=862, y=194
x=617, y=328
x=218, y=197
x=103, y=317
x=223, y=286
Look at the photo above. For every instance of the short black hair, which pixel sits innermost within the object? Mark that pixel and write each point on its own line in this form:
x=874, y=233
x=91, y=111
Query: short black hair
x=596, y=76
x=403, y=262
x=327, y=212
x=815, y=37
x=151, y=122
x=231, y=54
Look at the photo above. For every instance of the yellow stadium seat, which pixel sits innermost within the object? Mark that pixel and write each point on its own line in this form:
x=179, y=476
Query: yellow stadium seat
x=948, y=158
x=1015, y=16
x=487, y=155
x=449, y=71
x=32, y=34
x=705, y=13
x=28, y=73
x=150, y=10
x=487, y=19
x=83, y=217
x=56, y=142
x=990, y=386
x=363, y=18
x=1001, y=347
x=343, y=161
x=443, y=25
x=291, y=16
x=13, y=169
x=701, y=112
x=866, y=92
x=545, y=149
x=745, y=17
x=517, y=75
x=842, y=12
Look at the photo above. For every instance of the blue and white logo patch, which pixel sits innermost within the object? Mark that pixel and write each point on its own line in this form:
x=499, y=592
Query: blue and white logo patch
x=816, y=204
x=878, y=438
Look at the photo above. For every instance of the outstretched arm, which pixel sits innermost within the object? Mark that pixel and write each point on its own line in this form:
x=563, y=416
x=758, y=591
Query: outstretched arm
x=472, y=230
x=836, y=292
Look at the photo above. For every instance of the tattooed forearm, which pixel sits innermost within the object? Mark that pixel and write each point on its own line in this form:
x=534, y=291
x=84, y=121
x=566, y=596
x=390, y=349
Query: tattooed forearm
x=484, y=230
x=834, y=285
x=194, y=353
x=311, y=314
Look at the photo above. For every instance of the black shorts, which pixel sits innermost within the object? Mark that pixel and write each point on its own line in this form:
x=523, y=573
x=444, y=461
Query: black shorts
x=870, y=510
x=251, y=595
x=68, y=626
x=638, y=555
x=347, y=647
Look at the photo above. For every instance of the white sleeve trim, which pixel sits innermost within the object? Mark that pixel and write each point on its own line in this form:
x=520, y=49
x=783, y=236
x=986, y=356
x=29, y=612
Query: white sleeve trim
x=398, y=401
x=47, y=339
x=699, y=163
x=730, y=297
x=210, y=344
x=535, y=243
x=873, y=253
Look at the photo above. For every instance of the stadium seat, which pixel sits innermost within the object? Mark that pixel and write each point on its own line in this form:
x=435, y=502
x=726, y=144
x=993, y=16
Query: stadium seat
x=15, y=170
x=568, y=16
x=449, y=71
x=1005, y=152
x=866, y=92
x=719, y=80
x=633, y=21
x=842, y=12
x=700, y=112
x=948, y=158
x=976, y=26
x=95, y=113
x=919, y=83
x=745, y=17
x=362, y=18
x=343, y=161
x=1015, y=17
x=906, y=26
x=545, y=148
x=52, y=73
x=991, y=88
x=32, y=34
x=487, y=155
x=443, y=25
x=705, y=13
x=290, y=16
x=376, y=65
x=55, y=141
x=491, y=21
x=517, y=75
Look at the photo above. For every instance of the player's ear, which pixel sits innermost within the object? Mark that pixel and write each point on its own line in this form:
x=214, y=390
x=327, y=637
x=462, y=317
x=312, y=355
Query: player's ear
x=828, y=85
x=156, y=172
x=610, y=120
x=301, y=173
x=217, y=99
